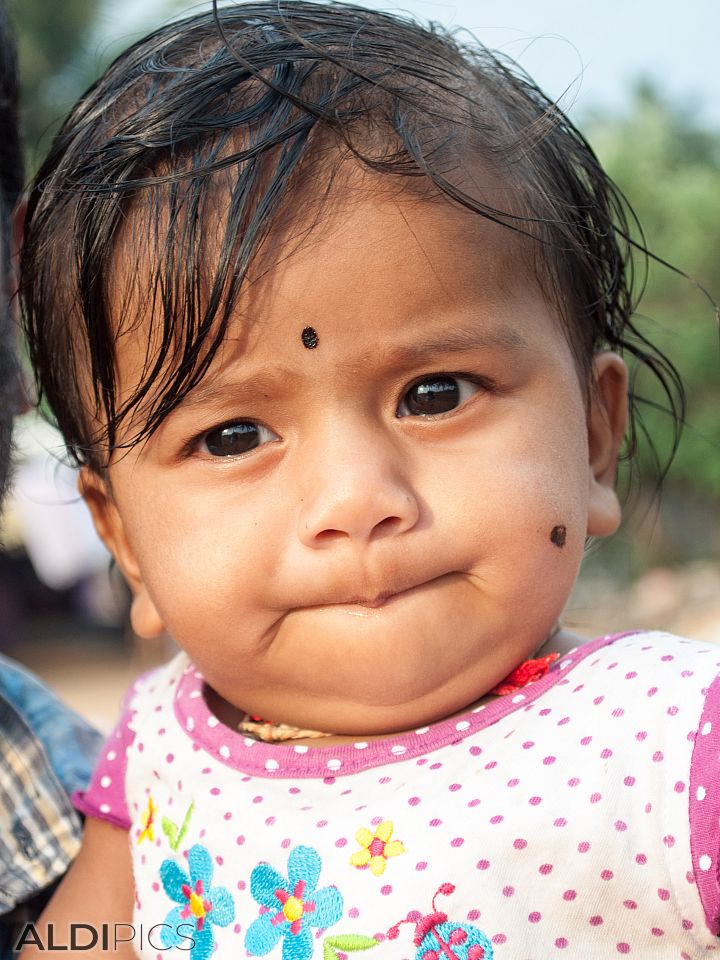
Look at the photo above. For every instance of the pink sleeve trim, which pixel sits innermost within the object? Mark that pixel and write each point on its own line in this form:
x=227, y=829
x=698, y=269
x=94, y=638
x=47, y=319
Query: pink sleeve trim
x=704, y=807
x=104, y=798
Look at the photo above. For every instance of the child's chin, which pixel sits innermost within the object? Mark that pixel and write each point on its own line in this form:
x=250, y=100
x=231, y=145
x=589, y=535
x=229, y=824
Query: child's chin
x=379, y=719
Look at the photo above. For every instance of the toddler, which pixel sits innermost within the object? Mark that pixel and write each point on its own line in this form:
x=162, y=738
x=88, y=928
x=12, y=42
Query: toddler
x=330, y=309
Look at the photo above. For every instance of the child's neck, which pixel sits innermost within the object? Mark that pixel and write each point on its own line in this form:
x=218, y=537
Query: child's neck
x=560, y=641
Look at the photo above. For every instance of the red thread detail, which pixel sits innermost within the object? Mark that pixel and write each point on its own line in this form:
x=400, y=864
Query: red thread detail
x=528, y=672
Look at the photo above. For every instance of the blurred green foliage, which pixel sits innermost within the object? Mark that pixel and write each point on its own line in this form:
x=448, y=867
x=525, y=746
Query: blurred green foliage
x=63, y=46
x=669, y=168
x=53, y=44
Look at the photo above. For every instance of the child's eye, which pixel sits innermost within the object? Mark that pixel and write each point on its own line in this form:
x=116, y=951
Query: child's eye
x=235, y=439
x=437, y=394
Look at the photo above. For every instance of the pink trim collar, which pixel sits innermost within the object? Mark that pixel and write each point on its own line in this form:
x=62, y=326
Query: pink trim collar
x=255, y=758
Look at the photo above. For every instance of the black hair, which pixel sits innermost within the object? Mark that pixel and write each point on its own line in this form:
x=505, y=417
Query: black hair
x=11, y=181
x=257, y=100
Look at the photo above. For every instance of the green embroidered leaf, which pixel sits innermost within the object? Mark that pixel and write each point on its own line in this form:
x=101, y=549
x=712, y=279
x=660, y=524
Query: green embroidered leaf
x=170, y=830
x=347, y=943
x=184, y=827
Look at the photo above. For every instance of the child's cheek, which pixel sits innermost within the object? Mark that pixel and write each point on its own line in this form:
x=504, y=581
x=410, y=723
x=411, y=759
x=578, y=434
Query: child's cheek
x=540, y=515
x=200, y=566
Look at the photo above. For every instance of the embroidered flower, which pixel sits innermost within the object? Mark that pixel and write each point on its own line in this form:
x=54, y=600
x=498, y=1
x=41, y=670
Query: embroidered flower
x=201, y=906
x=377, y=848
x=292, y=906
x=147, y=819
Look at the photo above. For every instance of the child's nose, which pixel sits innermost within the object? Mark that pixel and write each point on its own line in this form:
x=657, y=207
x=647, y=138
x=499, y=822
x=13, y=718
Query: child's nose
x=357, y=491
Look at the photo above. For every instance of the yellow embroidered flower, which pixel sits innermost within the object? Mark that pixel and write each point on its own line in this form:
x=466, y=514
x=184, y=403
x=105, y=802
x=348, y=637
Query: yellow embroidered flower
x=377, y=848
x=147, y=818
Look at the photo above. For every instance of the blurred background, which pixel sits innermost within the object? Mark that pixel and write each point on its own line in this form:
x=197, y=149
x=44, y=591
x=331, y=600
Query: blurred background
x=636, y=77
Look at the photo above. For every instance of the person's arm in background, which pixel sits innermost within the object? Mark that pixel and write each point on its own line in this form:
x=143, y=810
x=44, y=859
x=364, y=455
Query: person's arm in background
x=46, y=752
x=97, y=891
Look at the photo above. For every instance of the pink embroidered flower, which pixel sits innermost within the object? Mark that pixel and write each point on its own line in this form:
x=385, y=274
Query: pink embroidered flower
x=376, y=848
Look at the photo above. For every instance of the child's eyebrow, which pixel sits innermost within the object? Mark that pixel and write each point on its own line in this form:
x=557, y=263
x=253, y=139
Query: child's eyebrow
x=456, y=340
x=248, y=387
x=459, y=339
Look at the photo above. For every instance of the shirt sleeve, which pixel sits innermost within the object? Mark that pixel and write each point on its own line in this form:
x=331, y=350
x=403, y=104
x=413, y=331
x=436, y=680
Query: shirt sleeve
x=104, y=798
x=39, y=830
x=704, y=807
x=72, y=745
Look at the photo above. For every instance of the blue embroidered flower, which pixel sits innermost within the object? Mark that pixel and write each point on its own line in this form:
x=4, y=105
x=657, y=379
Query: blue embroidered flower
x=202, y=906
x=293, y=906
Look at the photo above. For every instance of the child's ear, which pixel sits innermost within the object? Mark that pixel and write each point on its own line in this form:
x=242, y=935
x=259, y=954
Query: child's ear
x=95, y=490
x=607, y=422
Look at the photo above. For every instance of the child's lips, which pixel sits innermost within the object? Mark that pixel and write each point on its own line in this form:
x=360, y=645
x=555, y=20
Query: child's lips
x=375, y=600
x=372, y=602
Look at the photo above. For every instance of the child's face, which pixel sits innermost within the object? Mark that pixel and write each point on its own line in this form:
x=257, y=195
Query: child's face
x=380, y=546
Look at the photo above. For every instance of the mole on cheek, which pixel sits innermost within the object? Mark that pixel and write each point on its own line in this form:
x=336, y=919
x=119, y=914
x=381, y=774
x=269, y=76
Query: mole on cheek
x=558, y=535
x=309, y=338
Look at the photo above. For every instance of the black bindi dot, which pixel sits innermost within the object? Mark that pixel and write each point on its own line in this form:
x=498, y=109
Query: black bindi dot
x=309, y=338
x=558, y=536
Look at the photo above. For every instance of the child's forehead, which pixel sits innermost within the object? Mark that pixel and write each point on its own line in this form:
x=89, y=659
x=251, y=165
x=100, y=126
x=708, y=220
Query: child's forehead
x=375, y=253
x=368, y=229
x=368, y=246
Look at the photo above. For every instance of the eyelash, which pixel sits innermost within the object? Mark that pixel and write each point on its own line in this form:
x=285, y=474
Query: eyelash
x=195, y=445
x=482, y=383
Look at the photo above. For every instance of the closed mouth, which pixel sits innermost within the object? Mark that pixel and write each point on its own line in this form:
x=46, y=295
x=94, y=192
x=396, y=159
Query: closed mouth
x=371, y=602
x=376, y=601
